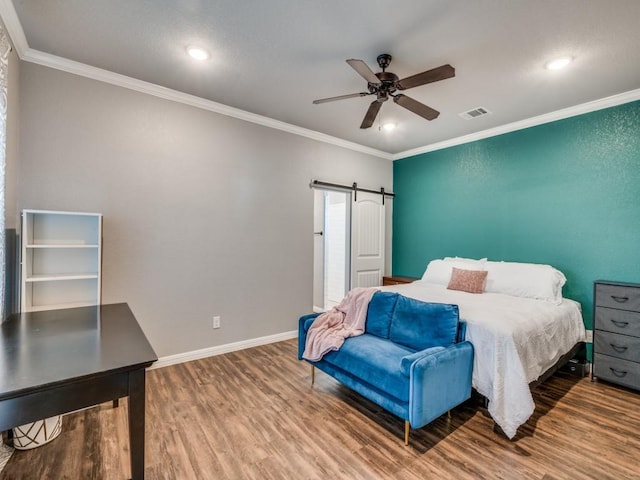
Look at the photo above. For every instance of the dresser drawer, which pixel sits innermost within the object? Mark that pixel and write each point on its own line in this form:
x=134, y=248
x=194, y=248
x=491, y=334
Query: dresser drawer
x=617, y=321
x=619, y=346
x=622, y=297
x=617, y=370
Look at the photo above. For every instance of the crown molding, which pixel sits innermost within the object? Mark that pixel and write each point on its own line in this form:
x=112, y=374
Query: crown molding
x=14, y=27
x=106, y=76
x=27, y=54
x=612, y=101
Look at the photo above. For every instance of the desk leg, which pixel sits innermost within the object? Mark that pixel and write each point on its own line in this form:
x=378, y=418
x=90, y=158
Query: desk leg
x=136, y=422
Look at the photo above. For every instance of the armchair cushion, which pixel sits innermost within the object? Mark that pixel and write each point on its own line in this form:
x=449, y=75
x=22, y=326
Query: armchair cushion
x=420, y=325
x=374, y=360
x=380, y=312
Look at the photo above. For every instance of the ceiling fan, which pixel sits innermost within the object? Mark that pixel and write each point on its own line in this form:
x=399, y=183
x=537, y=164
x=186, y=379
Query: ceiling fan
x=384, y=85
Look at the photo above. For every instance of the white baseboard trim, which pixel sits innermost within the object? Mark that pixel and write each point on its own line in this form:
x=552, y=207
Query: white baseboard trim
x=221, y=349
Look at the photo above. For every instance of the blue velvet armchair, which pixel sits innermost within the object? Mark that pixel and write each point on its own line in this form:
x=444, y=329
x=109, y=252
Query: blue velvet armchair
x=412, y=359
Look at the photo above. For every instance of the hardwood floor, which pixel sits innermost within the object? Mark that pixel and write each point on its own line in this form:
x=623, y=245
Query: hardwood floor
x=254, y=415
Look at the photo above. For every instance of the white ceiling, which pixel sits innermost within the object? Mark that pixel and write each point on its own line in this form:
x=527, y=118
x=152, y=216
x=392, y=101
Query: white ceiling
x=272, y=58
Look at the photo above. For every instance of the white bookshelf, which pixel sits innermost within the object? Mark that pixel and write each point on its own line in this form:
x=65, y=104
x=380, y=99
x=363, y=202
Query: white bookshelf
x=61, y=259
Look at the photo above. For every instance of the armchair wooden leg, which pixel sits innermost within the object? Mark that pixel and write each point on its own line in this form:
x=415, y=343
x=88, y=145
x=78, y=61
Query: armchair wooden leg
x=313, y=374
x=407, y=427
x=449, y=414
x=116, y=403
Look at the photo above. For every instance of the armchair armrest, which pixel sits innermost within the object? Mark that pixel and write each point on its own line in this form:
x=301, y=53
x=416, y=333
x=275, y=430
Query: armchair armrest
x=409, y=360
x=439, y=382
x=303, y=327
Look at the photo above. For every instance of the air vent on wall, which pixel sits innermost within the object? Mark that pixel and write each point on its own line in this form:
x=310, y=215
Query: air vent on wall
x=475, y=113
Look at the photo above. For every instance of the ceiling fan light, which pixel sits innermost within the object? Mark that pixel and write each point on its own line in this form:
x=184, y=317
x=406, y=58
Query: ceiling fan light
x=388, y=127
x=558, y=63
x=198, y=53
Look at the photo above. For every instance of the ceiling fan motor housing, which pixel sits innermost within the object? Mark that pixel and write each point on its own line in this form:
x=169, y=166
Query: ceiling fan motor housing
x=387, y=85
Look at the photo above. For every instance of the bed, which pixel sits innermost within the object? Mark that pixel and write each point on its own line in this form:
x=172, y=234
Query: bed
x=519, y=325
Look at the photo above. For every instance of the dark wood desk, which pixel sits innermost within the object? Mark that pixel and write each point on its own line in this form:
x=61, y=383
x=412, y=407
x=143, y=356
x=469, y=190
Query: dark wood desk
x=57, y=361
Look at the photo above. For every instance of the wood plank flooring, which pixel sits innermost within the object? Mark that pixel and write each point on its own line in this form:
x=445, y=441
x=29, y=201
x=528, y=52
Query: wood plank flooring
x=254, y=415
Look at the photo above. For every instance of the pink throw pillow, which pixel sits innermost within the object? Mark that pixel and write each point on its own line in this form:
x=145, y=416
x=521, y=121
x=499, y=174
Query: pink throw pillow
x=471, y=281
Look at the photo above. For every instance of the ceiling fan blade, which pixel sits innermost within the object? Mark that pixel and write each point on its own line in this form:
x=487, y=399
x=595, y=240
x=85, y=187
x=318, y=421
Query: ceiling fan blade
x=416, y=107
x=364, y=70
x=430, y=76
x=371, y=115
x=341, y=97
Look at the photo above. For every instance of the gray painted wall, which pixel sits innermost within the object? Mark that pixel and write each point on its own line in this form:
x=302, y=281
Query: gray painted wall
x=204, y=214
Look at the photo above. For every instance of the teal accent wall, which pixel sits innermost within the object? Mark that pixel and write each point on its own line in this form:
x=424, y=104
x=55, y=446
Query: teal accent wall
x=566, y=193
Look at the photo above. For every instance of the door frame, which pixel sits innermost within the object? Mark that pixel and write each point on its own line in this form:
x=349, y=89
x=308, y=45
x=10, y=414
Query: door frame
x=321, y=246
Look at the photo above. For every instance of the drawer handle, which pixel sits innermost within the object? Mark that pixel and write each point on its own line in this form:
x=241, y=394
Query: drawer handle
x=619, y=324
x=618, y=348
x=618, y=373
x=620, y=299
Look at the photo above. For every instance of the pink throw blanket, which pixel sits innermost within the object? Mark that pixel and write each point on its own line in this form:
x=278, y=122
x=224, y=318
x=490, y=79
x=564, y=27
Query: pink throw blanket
x=329, y=330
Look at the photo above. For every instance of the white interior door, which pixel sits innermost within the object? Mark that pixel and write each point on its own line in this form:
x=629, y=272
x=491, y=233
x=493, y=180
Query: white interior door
x=367, y=240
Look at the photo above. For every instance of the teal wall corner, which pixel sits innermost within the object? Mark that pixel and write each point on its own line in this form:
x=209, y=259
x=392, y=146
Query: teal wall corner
x=566, y=193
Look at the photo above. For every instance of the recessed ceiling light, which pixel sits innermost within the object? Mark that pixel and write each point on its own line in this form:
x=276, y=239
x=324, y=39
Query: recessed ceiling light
x=387, y=127
x=558, y=63
x=197, y=53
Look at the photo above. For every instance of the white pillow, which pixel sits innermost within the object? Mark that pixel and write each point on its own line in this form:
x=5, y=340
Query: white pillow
x=439, y=271
x=465, y=260
x=529, y=280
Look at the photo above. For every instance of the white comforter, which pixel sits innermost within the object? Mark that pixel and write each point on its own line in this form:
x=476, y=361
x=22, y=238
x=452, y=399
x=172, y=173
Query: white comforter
x=515, y=340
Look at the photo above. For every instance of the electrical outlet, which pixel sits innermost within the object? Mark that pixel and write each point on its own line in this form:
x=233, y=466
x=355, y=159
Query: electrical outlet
x=589, y=336
x=216, y=321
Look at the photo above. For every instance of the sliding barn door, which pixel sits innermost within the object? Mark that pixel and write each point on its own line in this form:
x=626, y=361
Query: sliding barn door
x=367, y=240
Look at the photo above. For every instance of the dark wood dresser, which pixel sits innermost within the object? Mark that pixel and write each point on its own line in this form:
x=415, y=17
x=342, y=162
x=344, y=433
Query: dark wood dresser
x=616, y=333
